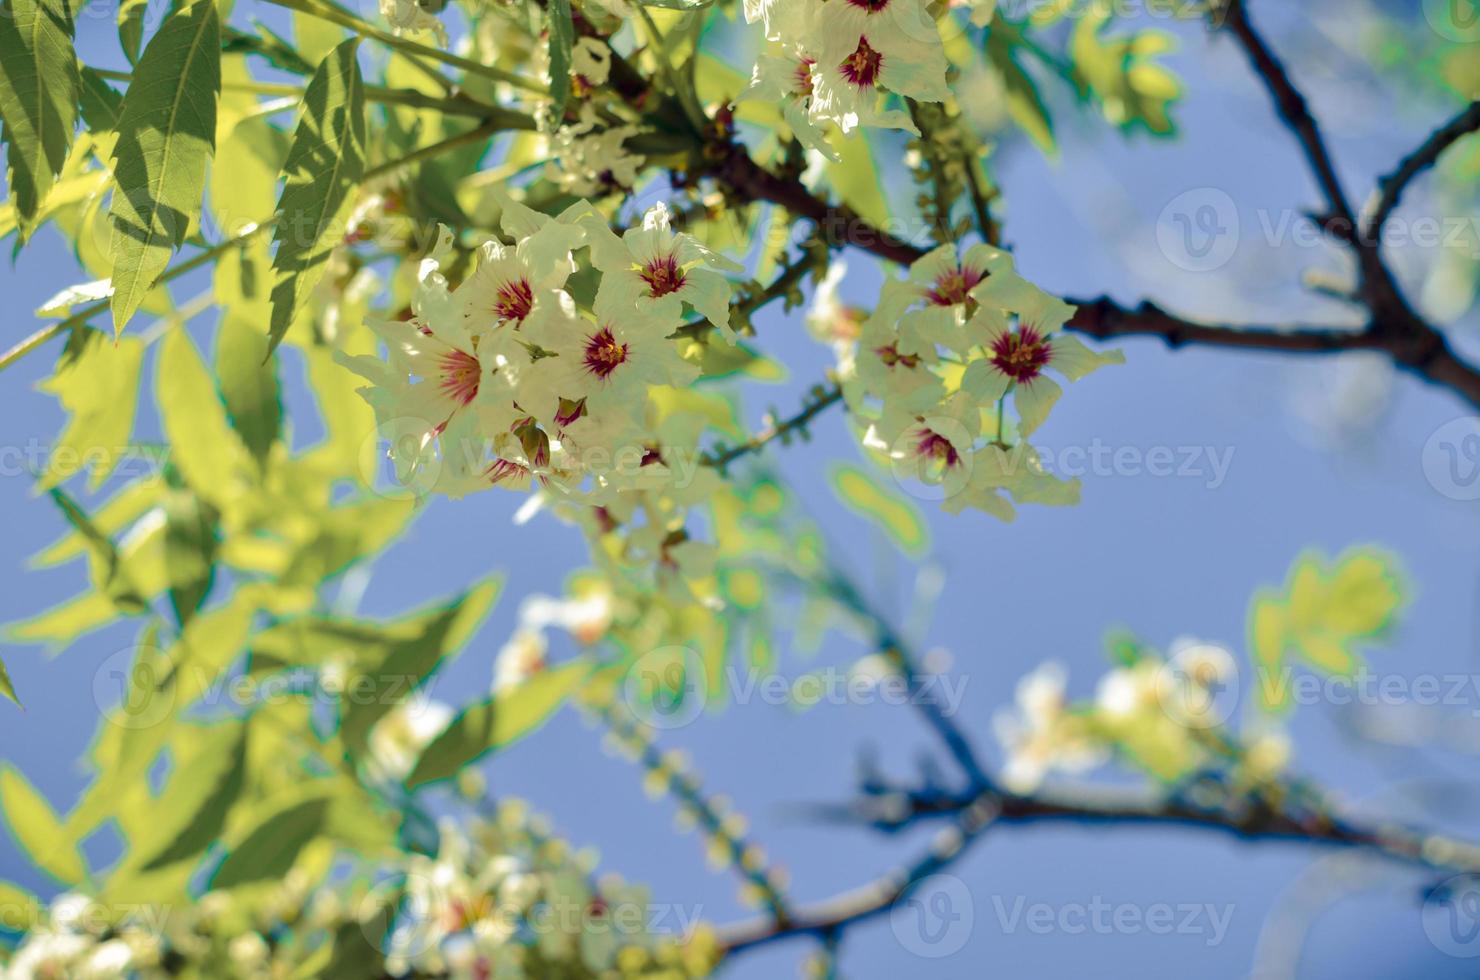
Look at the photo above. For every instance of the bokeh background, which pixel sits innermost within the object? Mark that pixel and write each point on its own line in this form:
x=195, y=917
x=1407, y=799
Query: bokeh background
x=1325, y=453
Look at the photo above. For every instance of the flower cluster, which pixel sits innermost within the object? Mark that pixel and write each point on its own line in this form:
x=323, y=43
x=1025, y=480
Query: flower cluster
x=507, y=379
x=500, y=897
x=1165, y=716
x=838, y=61
x=937, y=362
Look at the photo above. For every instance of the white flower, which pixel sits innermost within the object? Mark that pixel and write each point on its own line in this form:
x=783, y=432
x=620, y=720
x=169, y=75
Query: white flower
x=519, y=659
x=868, y=48
x=604, y=365
x=397, y=740
x=589, y=161
x=1041, y=735
x=653, y=266
x=409, y=16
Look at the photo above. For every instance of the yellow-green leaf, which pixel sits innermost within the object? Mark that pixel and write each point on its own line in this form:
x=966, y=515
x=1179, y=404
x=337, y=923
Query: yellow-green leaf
x=34, y=825
x=38, y=99
x=166, y=136
x=496, y=722
x=861, y=493
x=325, y=163
x=99, y=390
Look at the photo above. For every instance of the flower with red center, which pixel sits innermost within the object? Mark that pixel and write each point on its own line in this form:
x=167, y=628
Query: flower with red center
x=653, y=268
x=604, y=353
x=872, y=48
x=663, y=275
x=1022, y=355
x=513, y=300
x=458, y=374
x=890, y=355
x=931, y=445
x=605, y=365
x=953, y=287
x=861, y=68
x=802, y=75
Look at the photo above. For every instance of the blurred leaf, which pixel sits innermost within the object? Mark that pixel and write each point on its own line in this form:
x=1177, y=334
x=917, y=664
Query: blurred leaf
x=325, y=163
x=345, y=535
x=6, y=687
x=1024, y=104
x=109, y=576
x=1132, y=89
x=34, y=825
x=897, y=517
x=856, y=179
x=562, y=44
x=99, y=390
x=204, y=447
x=191, y=812
x=121, y=510
x=315, y=36
x=496, y=722
x=249, y=383
x=390, y=675
x=166, y=135
x=38, y=99
x=189, y=552
x=271, y=848
x=1325, y=611
x=131, y=17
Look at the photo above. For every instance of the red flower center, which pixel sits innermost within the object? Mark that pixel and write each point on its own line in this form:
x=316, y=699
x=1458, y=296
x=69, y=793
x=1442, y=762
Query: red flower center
x=802, y=76
x=459, y=376
x=872, y=6
x=603, y=353
x=663, y=276
x=891, y=356
x=861, y=68
x=1021, y=356
x=514, y=300
x=953, y=287
x=933, y=445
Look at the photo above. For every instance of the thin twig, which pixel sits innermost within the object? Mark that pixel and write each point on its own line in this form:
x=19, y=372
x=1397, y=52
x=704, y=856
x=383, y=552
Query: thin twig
x=776, y=430
x=1391, y=187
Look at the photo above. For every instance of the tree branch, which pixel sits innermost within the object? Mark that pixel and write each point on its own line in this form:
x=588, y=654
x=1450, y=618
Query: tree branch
x=1390, y=188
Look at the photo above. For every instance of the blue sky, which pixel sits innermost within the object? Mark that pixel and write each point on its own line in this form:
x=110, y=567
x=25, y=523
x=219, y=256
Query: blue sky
x=1163, y=556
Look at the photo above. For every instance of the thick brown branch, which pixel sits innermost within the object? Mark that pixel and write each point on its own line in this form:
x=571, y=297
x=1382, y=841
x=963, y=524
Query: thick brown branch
x=1390, y=188
x=1394, y=330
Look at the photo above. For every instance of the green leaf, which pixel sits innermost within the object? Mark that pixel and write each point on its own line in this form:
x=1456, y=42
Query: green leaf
x=109, y=576
x=34, y=825
x=496, y=722
x=562, y=46
x=270, y=850
x=1133, y=90
x=189, y=552
x=325, y=163
x=316, y=37
x=861, y=493
x=6, y=687
x=387, y=676
x=166, y=136
x=203, y=446
x=99, y=389
x=19, y=909
x=38, y=99
x=248, y=383
x=131, y=15
x=192, y=810
x=1024, y=104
